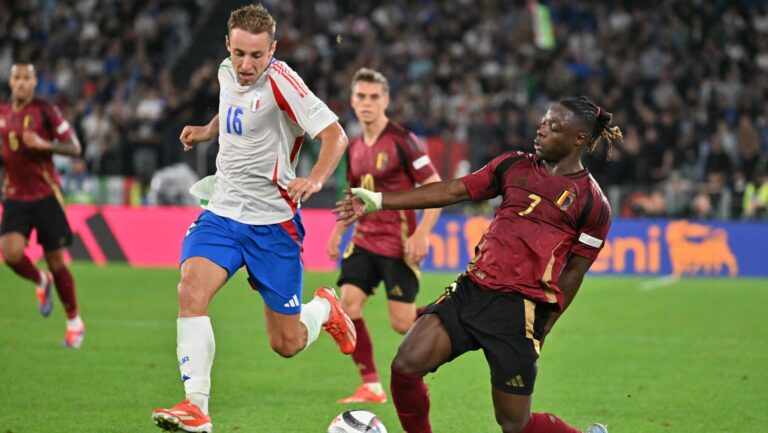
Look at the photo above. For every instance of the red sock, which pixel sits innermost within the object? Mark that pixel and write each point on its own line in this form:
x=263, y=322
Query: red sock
x=363, y=354
x=411, y=401
x=65, y=287
x=547, y=423
x=26, y=269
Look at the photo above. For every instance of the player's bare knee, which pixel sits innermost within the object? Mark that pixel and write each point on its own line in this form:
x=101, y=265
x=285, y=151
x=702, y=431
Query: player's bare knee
x=287, y=348
x=511, y=424
x=55, y=263
x=511, y=427
x=406, y=365
x=12, y=255
x=353, y=308
x=401, y=325
x=192, y=299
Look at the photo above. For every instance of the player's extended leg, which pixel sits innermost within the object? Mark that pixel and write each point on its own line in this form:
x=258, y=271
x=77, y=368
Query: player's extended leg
x=65, y=288
x=290, y=333
x=13, y=245
x=195, y=346
x=426, y=346
x=353, y=299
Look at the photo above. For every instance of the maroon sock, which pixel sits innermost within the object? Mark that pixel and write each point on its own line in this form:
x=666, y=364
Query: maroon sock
x=547, y=423
x=363, y=354
x=26, y=269
x=65, y=287
x=411, y=401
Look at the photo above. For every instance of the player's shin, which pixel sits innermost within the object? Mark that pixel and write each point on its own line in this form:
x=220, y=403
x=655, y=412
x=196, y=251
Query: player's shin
x=313, y=315
x=411, y=399
x=195, y=348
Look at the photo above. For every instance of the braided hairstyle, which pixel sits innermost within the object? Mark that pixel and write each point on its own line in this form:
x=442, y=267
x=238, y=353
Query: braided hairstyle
x=596, y=120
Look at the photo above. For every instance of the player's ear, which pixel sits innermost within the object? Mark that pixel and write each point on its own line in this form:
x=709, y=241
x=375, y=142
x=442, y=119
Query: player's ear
x=581, y=138
x=226, y=40
x=272, y=48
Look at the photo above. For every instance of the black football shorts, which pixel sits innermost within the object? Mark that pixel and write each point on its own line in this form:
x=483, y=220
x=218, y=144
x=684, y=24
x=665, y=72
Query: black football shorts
x=45, y=215
x=366, y=270
x=507, y=326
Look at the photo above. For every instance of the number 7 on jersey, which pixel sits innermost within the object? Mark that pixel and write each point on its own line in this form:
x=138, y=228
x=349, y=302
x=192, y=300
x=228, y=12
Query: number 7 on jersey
x=536, y=200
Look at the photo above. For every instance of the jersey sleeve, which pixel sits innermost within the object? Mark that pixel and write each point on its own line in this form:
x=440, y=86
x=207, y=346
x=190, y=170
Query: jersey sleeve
x=60, y=128
x=294, y=97
x=419, y=165
x=485, y=183
x=590, y=238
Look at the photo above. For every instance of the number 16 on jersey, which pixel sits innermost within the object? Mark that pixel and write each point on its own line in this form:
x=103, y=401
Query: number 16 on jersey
x=234, y=122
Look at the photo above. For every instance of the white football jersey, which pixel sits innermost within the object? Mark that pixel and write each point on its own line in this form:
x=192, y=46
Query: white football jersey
x=261, y=128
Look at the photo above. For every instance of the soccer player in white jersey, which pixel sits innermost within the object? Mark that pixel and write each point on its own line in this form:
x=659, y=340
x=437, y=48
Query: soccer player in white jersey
x=252, y=217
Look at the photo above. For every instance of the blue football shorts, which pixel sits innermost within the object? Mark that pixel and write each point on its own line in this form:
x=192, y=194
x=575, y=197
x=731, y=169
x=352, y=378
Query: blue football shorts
x=270, y=253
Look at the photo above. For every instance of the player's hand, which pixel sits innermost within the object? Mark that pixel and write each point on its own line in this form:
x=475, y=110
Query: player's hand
x=416, y=247
x=302, y=188
x=333, y=246
x=357, y=202
x=192, y=135
x=33, y=141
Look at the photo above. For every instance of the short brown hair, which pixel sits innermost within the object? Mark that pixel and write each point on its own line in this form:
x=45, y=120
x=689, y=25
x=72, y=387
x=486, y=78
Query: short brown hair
x=369, y=75
x=253, y=18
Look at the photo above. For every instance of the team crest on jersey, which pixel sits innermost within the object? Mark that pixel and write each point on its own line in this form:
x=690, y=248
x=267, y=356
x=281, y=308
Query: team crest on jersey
x=381, y=160
x=565, y=199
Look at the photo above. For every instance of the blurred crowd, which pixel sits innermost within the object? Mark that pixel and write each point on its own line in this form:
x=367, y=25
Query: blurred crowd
x=106, y=64
x=686, y=81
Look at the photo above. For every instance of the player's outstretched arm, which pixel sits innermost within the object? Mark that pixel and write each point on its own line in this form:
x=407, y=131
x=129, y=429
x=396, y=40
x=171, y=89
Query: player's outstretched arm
x=68, y=147
x=333, y=144
x=192, y=135
x=360, y=201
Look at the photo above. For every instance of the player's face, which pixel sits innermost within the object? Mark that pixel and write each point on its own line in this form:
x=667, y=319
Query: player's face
x=559, y=134
x=370, y=101
x=22, y=82
x=251, y=54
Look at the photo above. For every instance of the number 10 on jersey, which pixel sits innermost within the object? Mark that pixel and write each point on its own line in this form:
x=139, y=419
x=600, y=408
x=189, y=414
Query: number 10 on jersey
x=234, y=122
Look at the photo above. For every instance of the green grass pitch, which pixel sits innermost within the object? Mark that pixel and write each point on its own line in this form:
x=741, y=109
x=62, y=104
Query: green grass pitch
x=680, y=357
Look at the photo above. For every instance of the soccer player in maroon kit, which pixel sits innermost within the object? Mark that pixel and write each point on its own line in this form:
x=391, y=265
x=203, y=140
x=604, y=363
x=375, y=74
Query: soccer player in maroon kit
x=387, y=246
x=549, y=228
x=31, y=131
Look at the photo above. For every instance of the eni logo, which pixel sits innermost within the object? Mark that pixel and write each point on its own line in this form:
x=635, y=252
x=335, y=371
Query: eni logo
x=693, y=249
x=697, y=248
x=680, y=248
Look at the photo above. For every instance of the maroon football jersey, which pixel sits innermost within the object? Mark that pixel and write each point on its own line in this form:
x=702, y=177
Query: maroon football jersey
x=30, y=174
x=541, y=220
x=395, y=162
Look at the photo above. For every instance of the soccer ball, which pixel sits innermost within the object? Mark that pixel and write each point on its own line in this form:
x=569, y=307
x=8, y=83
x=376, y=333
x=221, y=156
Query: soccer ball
x=357, y=421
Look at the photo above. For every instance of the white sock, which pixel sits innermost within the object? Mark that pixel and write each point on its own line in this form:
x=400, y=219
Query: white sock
x=74, y=323
x=195, y=348
x=200, y=400
x=43, y=279
x=313, y=315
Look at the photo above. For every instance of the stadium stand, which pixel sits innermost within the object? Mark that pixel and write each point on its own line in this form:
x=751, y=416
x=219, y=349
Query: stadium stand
x=686, y=79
